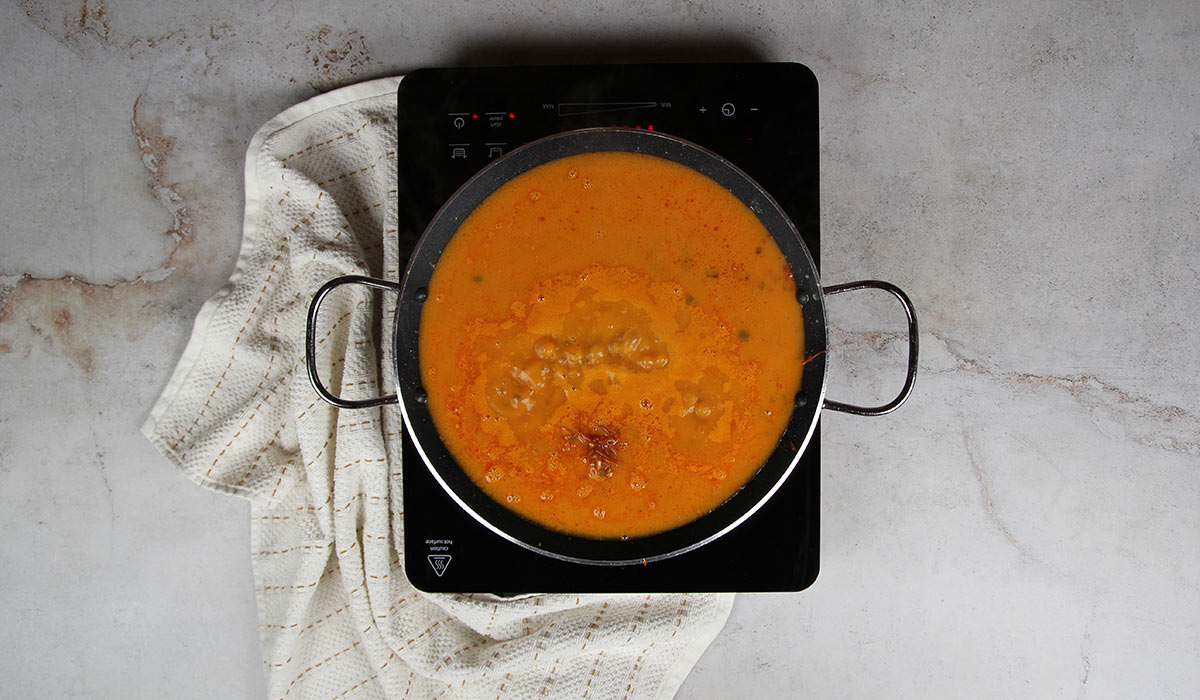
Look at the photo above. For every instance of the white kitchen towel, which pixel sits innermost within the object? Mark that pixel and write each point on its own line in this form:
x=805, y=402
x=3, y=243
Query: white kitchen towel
x=338, y=616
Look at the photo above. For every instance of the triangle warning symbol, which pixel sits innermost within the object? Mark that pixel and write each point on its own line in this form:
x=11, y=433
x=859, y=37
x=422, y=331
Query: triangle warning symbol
x=439, y=562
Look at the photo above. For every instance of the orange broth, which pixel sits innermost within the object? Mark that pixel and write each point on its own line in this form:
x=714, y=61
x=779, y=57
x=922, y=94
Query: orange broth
x=611, y=344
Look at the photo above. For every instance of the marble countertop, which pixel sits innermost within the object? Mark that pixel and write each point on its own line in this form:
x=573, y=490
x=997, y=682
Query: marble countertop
x=1026, y=526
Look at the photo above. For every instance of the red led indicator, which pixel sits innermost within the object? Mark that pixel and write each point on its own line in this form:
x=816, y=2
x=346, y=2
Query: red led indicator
x=511, y=115
x=475, y=116
x=650, y=127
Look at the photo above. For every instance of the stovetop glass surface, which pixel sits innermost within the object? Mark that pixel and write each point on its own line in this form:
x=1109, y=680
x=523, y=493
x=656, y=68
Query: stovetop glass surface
x=761, y=117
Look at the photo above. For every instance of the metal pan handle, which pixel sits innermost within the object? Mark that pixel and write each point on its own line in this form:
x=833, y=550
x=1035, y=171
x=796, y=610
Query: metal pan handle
x=310, y=337
x=912, y=349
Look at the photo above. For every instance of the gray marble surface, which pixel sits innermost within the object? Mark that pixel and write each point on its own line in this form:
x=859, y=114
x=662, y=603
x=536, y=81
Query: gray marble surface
x=1027, y=526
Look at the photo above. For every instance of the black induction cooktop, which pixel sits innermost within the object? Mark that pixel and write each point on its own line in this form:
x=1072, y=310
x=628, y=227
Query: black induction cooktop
x=452, y=122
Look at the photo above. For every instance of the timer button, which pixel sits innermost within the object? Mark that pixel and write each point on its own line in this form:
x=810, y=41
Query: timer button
x=728, y=109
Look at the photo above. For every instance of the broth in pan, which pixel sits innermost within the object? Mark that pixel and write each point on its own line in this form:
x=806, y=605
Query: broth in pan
x=611, y=344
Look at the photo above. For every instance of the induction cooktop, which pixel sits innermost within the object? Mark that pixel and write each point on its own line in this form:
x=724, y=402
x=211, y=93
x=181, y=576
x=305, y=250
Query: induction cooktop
x=452, y=122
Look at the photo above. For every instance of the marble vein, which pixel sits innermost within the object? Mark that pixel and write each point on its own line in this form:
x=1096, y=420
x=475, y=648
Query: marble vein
x=27, y=289
x=102, y=468
x=1140, y=419
x=1085, y=651
x=985, y=495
